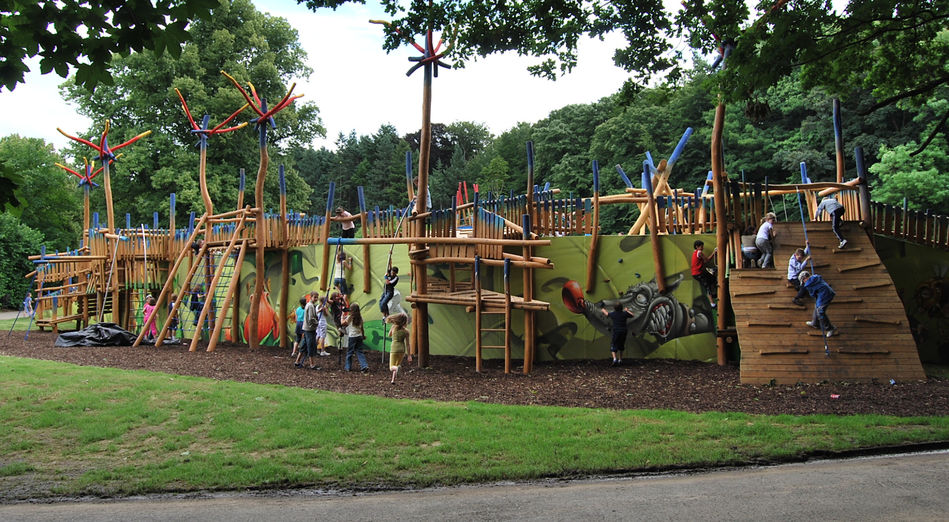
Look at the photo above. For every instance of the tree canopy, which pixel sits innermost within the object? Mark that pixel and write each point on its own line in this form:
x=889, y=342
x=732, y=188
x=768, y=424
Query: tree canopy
x=52, y=201
x=84, y=35
x=897, y=49
x=250, y=46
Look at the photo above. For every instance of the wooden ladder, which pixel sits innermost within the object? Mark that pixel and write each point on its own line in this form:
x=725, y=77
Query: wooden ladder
x=492, y=307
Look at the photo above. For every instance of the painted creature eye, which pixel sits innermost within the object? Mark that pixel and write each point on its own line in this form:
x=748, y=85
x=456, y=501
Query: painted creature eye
x=641, y=299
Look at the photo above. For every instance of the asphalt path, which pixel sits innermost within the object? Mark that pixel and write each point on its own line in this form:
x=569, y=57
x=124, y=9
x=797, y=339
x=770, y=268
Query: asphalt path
x=893, y=487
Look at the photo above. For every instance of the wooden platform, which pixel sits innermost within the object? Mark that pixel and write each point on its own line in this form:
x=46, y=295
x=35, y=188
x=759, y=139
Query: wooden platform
x=492, y=301
x=776, y=346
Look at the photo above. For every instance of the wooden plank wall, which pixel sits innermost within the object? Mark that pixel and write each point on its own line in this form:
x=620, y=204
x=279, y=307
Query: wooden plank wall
x=874, y=340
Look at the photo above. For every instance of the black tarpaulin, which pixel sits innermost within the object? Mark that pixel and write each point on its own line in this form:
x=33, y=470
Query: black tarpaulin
x=99, y=334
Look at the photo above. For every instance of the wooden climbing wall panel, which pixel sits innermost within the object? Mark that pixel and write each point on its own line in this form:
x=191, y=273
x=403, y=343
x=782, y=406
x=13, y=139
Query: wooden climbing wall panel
x=777, y=346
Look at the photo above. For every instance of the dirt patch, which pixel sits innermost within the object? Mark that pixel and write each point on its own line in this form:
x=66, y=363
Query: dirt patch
x=640, y=384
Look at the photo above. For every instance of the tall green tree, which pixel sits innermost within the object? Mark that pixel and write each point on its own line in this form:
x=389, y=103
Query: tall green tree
x=53, y=202
x=247, y=44
x=17, y=242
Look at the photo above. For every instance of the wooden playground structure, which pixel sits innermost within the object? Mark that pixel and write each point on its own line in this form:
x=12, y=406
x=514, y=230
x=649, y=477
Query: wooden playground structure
x=194, y=272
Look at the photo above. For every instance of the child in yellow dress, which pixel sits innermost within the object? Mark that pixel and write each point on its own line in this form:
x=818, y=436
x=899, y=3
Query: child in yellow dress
x=399, y=335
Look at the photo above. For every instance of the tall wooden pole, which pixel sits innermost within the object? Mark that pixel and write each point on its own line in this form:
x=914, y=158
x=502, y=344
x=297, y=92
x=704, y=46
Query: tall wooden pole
x=325, y=269
x=260, y=237
x=719, y=181
x=529, y=315
x=838, y=141
x=284, y=260
x=366, y=268
x=652, y=219
x=421, y=272
x=595, y=233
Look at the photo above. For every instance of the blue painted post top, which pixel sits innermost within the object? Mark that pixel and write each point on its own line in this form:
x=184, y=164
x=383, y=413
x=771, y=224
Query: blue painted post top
x=281, y=174
x=861, y=167
x=623, y=176
x=681, y=145
x=329, y=197
x=596, y=177
x=530, y=155
x=647, y=178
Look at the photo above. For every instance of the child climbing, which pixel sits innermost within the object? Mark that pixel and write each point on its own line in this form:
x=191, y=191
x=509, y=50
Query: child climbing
x=399, y=334
x=354, y=329
x=173, y=326
x=391, y=279
x=150, y=307
x=619, y=315
x=796, y=264
x=819, y=289
x=836, y=211
x=343, y=263
x=765, y=239
x=703, y=270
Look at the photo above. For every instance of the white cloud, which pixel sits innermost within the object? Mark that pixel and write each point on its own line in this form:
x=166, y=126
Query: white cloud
x=359, y=87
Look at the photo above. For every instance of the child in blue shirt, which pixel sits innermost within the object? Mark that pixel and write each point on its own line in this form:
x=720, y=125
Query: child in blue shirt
x=824, y=294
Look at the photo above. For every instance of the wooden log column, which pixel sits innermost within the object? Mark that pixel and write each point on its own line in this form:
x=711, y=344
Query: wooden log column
x=719, y=182
x=284, y=261
x=529, y=315
x=652, y=218
x=595, y=235
x=420, y=269
x=260, y=237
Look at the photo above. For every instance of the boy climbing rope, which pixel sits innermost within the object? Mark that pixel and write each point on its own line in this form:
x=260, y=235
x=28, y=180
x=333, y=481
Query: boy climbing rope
x=391, y=279
x=820, y=290
x=796, y=264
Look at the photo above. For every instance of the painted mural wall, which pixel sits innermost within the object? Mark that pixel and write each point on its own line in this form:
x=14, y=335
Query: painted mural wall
x=921, y=276
x=677, y=324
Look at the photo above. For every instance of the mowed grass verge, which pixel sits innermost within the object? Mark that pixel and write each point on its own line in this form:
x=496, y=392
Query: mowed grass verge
x=71, y=430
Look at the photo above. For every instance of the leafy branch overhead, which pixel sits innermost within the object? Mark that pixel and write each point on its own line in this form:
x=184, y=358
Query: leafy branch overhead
x=83, y=35
x=891, y=46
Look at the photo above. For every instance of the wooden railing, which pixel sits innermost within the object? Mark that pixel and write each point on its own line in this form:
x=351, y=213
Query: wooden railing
x=924, y=228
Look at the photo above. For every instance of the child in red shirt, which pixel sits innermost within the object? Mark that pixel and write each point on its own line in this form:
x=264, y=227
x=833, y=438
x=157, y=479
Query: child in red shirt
x=702, y=270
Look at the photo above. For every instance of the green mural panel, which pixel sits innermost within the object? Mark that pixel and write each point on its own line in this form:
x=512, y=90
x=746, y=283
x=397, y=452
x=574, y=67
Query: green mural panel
x=675, y=325
x=921, y=276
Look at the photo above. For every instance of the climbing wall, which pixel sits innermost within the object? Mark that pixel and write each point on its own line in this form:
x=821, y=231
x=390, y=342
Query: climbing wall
x=874, y=342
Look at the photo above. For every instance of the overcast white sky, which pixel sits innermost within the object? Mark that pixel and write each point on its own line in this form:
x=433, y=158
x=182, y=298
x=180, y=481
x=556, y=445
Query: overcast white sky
x=357, y=86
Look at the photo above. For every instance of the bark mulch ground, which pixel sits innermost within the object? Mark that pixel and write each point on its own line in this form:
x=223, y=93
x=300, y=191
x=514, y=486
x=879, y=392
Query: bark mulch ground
x=638, y=384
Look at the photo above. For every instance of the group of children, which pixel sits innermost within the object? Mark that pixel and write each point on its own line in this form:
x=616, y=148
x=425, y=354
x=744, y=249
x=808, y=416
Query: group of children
x=312, y=321
x=814, y=285
x=703, y=271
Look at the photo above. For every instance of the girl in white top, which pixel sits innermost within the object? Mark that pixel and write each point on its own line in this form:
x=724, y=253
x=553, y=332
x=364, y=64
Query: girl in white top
x=765, y=239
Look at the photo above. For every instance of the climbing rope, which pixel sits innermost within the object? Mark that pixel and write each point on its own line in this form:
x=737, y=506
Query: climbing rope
x=823, y=333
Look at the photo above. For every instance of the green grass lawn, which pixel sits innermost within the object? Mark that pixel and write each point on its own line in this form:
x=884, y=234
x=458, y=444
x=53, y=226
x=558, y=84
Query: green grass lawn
x=71, y=430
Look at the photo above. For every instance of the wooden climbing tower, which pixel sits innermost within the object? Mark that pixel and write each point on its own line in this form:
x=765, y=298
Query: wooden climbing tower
x=776, y=346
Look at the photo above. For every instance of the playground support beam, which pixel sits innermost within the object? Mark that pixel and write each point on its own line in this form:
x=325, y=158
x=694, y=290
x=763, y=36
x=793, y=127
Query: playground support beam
x=421, y=270
x=719, y=181
x=284, y=261
x=169, y=283
x=260, y=233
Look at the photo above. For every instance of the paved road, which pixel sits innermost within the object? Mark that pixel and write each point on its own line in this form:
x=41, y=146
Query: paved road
x=903, y=487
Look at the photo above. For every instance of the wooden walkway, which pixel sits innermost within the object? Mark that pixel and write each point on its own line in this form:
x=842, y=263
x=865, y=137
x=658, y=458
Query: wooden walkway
x=874, y=342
